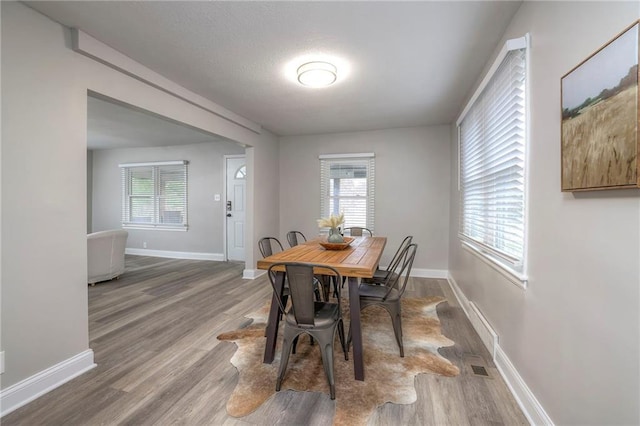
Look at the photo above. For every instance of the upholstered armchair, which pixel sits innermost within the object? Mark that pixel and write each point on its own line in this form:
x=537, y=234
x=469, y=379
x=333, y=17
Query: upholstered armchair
x=105, y=253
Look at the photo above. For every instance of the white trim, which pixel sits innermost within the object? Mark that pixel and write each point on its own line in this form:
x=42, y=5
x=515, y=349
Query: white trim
x=155, y=163
x=27, y=390
x=252, y=274
x=527, y=161
x=338, y=156
x=528, y=403
x=486, y=332
x=86, y=45
x=463, y=302
x=460, y=297
x=479, y=322
x=531, y=407
x=427, y=273
x=513, y=44
x=218, y=257
x=510, y=274
x=459, y=158
x=159, y=227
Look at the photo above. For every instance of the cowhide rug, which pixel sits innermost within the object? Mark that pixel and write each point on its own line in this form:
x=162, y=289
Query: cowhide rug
x=388, y=378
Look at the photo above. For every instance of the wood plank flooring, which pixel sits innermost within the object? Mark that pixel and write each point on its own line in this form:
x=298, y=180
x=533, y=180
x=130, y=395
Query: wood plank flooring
x=154, y=332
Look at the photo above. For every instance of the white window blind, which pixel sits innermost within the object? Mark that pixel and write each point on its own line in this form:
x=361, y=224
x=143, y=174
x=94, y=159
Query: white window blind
x=347, y=185
x=154, y=195
x=492, y=138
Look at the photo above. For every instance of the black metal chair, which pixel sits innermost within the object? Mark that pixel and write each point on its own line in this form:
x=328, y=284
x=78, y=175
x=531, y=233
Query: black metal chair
x=358, y=231
x=381, y=276
x=292, y=238
x=322, y=281
x=388, y=296
x=266, y=246
x=320, y=320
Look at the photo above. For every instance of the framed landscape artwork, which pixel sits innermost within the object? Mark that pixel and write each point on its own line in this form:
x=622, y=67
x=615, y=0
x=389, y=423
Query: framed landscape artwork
x=600, y=115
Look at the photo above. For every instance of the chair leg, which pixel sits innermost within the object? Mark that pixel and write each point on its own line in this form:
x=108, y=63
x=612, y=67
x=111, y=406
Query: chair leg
x=327, y=363
x=326, y=287
x=396, y=319
x=290, y=336
x=317, y=293
x=343, y=342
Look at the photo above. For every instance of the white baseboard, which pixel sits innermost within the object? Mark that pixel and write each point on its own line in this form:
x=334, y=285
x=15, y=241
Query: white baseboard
x=27, y=390
x=486, y=332
x=533, y=411
x=484, y=329
x=462, y=299
x=429, y=273
x=252, y=274
x=219, y=257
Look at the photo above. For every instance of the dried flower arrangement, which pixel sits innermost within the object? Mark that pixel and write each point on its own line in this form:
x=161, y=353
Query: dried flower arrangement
x=332, y=221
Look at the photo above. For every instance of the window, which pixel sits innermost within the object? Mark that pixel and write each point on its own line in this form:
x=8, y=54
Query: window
x=154, y=195
x=241, y=173
x=492, y=137
x=347, y=186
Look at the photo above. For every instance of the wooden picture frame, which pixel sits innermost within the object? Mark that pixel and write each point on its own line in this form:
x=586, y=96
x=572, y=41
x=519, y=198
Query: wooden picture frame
x=600, y=118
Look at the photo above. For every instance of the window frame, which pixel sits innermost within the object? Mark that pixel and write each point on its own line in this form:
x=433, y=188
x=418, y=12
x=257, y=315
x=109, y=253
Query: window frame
x=157, y=168
x=367, y=159
x=514, y=269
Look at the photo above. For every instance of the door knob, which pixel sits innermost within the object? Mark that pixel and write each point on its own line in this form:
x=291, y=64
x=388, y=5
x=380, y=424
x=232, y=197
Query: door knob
x=228, y=214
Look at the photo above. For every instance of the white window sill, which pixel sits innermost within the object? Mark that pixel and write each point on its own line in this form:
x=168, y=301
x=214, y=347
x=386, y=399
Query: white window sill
x=156, y=228
x=512, y=275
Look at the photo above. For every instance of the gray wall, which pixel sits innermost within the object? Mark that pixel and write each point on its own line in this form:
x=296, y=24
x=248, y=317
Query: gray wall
x=412, y=180
x=205, y=178
x=267, y=172
x=89, y=191
x=573, y=334
x=44, y=215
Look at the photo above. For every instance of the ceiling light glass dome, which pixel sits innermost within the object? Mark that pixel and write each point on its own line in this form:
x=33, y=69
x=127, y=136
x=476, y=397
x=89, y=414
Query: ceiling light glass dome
x=317, y=74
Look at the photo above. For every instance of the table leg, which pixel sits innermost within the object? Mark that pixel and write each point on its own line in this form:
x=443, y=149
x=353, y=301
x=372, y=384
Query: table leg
x=356, y=329
x=274, y=319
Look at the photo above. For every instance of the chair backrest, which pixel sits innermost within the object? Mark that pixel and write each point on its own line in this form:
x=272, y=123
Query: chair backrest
x=401, y=273
x=357, y=231
x=396, y=257
x=265, y=246
x=292, y=238
x=105, y=254
x=301, y=289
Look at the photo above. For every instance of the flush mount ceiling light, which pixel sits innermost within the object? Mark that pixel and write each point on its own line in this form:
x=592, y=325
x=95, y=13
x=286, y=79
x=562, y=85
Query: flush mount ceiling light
x=317, y=74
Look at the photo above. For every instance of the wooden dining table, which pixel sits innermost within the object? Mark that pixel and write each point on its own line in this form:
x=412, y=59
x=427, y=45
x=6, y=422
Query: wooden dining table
x=358, y=260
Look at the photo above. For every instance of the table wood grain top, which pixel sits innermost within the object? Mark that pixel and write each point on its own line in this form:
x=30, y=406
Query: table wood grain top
x=360, y=259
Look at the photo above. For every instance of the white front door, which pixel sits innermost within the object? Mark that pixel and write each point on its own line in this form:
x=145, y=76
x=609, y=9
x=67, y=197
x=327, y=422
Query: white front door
x=235, y=207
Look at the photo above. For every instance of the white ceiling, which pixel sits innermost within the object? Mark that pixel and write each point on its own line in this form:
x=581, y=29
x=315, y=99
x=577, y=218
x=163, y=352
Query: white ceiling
x=409, y=63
